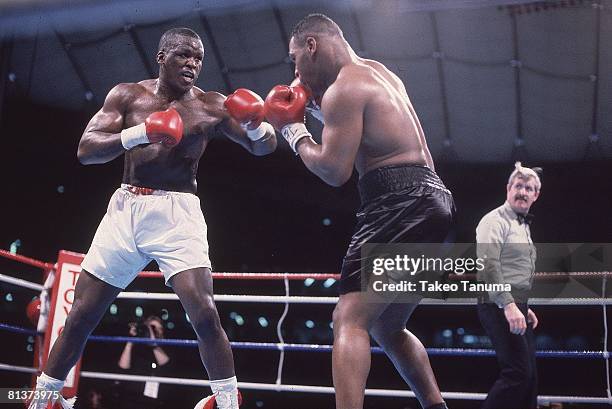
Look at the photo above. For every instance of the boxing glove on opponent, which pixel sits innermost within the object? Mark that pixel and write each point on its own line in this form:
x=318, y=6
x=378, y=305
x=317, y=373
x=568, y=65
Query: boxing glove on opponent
x=284, y=109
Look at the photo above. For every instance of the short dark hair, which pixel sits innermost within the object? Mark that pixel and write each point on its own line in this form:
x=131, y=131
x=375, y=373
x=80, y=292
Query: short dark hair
x=315, y=24
x=154, y=318
x=169, y=38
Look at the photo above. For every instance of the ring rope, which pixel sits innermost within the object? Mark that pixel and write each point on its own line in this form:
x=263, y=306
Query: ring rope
x=17, y=368
x=546, y=275
x=316, y=300
x=306, y=388
x=279, y=299
x=27, y=260
x=20, y=282
x=282, y=346
x=287, y=299
x=290, y=276
x=225, y=275
x=605, y=343
x=281, y=340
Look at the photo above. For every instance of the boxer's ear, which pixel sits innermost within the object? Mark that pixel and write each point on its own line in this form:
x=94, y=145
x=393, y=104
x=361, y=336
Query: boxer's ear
x=311, y=45
x=160, y=56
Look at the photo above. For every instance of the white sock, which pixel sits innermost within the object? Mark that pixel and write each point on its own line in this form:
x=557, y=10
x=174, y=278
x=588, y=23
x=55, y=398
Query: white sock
x=226, y=392
x=46, y=383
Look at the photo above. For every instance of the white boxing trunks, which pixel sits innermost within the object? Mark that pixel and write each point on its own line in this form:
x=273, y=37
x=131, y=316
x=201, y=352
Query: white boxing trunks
x=143, y=224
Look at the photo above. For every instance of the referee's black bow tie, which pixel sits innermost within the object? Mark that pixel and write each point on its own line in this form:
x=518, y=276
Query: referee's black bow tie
x=524, y=218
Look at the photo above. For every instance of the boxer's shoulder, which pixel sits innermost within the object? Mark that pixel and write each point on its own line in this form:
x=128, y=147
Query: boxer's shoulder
x=352, y=72
x=212, y=97
x=382, y=69
x=351, y=86
x=212, y=102
x=356, y=79
x=137, y=89
x=127, y=92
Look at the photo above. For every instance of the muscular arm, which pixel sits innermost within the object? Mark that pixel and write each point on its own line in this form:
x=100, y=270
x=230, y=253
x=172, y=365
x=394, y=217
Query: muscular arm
x=101, y=140
x=232, y=130
x=334, y=158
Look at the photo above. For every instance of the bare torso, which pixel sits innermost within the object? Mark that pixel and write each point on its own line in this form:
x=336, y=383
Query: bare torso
x=160, y=167
x=391, y=130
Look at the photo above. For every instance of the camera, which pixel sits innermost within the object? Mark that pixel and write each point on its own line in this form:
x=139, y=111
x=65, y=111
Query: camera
x=142, y=331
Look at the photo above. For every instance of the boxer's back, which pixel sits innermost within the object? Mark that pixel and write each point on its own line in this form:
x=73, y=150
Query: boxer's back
x=391, y=131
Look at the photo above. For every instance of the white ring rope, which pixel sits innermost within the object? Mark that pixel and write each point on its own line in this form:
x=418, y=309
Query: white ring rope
x=304, y=388
x=605, y=342
x=275, y=299
x=17, y=368
x=20, y=282
x=282, y=299
x=281, y=339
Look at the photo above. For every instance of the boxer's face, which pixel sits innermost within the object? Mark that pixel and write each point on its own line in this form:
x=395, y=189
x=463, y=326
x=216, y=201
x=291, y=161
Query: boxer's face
x=521, y=194
x=301, y=55
x=182, y=62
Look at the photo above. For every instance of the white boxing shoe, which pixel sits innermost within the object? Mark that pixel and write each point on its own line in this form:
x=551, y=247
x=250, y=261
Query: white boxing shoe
x=223, y=400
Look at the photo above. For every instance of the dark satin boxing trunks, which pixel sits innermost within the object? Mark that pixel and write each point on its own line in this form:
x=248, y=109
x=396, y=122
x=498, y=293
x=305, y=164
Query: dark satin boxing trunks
x=399, y=204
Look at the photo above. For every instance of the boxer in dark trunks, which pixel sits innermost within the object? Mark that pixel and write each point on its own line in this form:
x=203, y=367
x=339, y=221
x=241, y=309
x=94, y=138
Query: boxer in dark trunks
x=370, y=125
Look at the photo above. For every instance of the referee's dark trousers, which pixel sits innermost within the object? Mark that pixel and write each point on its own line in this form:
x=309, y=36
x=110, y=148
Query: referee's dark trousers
x=517, y=384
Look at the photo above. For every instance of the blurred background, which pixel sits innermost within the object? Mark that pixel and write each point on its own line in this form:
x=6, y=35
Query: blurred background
x=492, y=81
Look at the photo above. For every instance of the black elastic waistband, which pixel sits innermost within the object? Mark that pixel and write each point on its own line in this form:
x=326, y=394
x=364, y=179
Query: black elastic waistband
x=392, y=178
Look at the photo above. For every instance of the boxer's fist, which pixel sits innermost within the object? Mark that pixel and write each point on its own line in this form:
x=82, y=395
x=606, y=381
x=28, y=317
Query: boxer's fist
x=297, y=83
x=284, y=109
x=165, y=127
x=312, y=107
x=246, y=107
x=285, y=105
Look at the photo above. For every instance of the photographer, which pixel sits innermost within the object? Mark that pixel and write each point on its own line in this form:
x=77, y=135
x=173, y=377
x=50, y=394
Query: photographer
x=144, y=359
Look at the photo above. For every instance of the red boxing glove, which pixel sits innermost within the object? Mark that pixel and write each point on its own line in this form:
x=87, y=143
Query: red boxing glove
x=284, y=108
x=33, y=311
x=165, y=127
x=312, y=107
x=297, y=83
x=246, y=107
x=285, y=105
